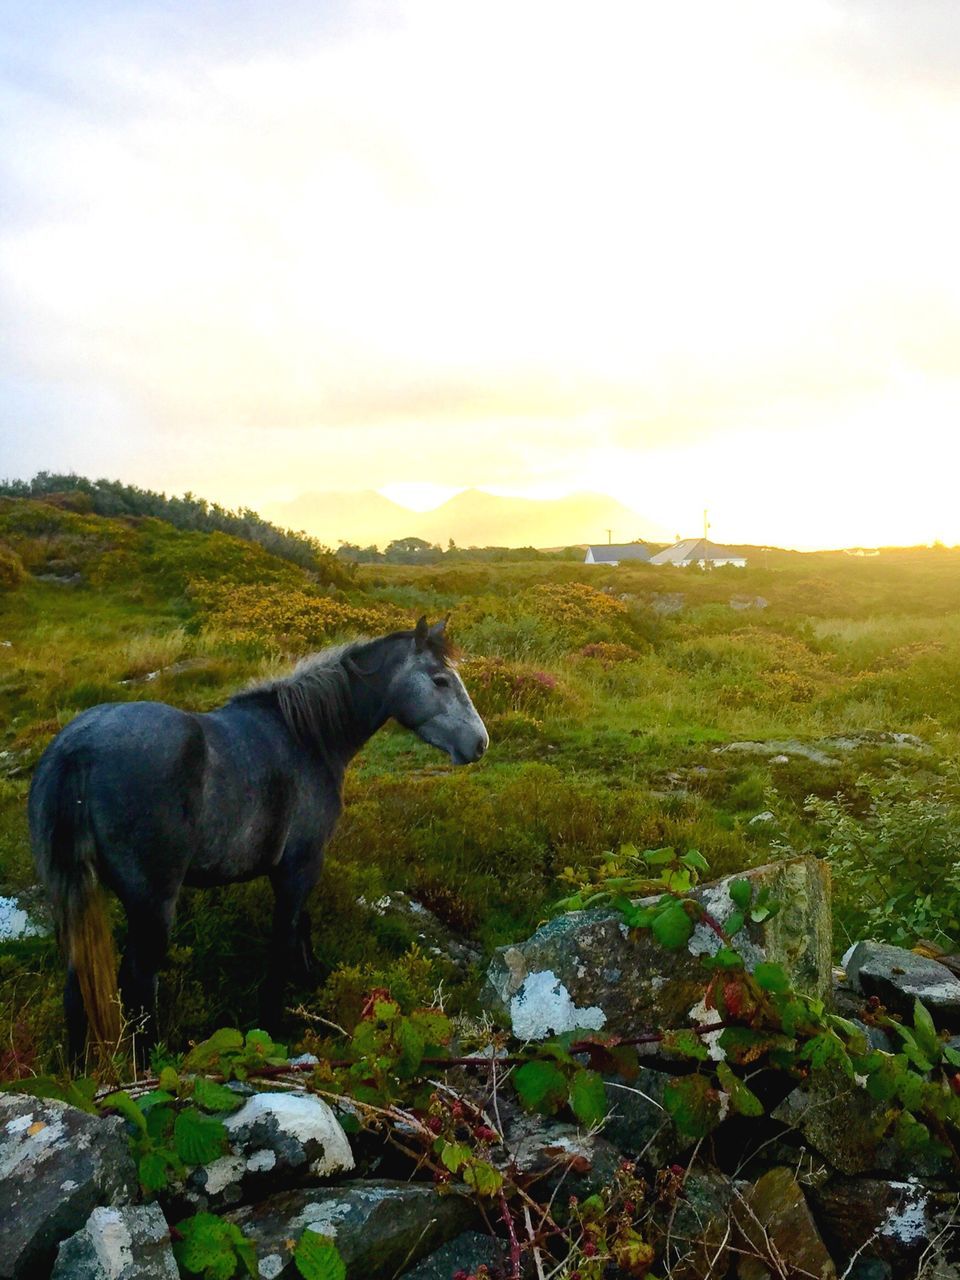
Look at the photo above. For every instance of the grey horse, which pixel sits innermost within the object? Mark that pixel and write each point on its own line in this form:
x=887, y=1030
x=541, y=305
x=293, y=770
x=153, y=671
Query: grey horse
x=143, y=798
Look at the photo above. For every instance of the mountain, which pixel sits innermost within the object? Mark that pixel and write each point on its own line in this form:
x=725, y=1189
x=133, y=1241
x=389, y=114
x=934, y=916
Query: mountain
x=471, y=518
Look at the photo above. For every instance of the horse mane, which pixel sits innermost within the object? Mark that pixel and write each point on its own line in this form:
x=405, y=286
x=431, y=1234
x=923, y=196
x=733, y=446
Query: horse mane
x=314, y=700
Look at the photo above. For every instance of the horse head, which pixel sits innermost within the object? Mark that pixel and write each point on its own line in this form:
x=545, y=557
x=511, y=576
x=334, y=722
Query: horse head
x=426, y=695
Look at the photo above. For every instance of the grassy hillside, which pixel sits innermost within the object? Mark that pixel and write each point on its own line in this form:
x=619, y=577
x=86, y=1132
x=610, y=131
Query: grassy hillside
x=612, y=698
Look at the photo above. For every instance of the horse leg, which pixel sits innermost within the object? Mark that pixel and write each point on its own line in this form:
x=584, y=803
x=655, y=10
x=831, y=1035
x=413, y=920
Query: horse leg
x=306, y=959
x=287, y=945
x=148, y=935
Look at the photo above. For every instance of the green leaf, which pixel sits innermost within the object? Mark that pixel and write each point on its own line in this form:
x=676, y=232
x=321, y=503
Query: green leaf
x=318, y=1258
x=685, y=1043
x=207, y=1052
x=659, y=857
x=927, y=1037
x=411, y=1043
x=588, y=1098
x=483, y=1177
x=694, y=1105
x=434, y=1026
x=772, y=977
x=541, y=1086
x=741, y=891
x=672, y=926
x=726, y=958
x=169, y=1080
x=123, y=1103
x=198, y=1138
x=215, y=1097
x=152, y=1171
x=734, y=923
x=742, y=1099
x=454, y=1155
x=211, y=1247
x=695, y=860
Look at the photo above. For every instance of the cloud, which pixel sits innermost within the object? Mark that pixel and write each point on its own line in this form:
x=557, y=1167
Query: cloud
x=479, y=237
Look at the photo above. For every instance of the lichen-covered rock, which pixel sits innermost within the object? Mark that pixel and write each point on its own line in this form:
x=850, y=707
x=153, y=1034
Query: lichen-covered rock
x=56, y=1165
x=587, y=971
x=378, y=1227
x=465, y=1252
x=778, y=1235
x=895, y=1222
x=432, y=935
x=553, y=1151
x=840, y=1121
x=899, y=977
x=637, y=1121
x=697, y=1243
x=119, y=1243
x=277, y=1140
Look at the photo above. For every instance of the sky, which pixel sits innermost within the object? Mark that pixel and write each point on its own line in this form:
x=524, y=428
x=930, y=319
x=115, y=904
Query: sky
x=690, y=254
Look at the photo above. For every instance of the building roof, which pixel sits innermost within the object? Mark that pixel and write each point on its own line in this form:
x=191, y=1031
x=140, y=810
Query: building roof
x=611, y=553
x=695, y=550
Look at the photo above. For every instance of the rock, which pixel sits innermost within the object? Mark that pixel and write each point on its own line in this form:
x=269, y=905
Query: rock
x=379, y=1227
x=129, y=1243
x=465, y=1252
x=838, y=1119
x=585, y=970
x=898, y=978
x=697, y=1245
x=637, y=1122
x=551, y=1150
x=56, y=1165
x=432, y=935
x=277, y=1140
x=18, y=919
x=666, y=603
x=778, y=1234
x=879, y=1220
x=762, y=819
x=740, y=603
x=789, y=747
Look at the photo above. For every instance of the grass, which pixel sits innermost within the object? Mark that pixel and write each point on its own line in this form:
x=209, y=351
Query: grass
x=605, y=718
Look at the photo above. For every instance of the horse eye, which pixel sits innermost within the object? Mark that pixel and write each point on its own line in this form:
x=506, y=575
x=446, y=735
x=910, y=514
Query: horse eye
x=442, y=682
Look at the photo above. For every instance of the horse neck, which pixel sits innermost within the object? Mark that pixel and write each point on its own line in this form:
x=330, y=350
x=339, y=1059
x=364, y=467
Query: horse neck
x=368, y=706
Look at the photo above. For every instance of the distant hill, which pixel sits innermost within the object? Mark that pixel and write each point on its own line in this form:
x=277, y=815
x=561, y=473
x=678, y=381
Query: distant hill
x=471, y=518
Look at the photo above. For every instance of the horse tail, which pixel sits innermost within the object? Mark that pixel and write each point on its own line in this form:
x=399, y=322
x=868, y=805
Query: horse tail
x=66, y=856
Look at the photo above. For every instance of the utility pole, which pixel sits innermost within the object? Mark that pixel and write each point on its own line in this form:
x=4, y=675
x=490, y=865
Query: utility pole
x=706, y=524
x=609, y=537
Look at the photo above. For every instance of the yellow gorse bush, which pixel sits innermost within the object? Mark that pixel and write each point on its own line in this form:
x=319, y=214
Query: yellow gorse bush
x=288, y=617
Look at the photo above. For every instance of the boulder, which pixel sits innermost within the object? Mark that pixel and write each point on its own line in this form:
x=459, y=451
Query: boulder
x=637, y=1121
x=898, y=977
x=465, y=1252
x=840, y=1121
x=57, y=1164
x=277, y=1140
x=778, y=1235
x=587, y=971
x=379, y=1227
x=131, y=1242
x=875, y=1219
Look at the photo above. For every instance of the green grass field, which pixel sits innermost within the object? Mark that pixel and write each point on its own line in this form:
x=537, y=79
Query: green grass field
x=609, y=717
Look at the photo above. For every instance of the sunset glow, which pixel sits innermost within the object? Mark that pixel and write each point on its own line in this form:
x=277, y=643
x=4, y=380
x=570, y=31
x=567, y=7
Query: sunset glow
x=689, y=255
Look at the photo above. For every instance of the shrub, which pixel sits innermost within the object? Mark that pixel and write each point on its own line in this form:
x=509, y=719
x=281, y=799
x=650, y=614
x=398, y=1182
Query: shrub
x=12, y=572
x=292, y=618
x=608, y=653
x=894, y=853
x=497, y=686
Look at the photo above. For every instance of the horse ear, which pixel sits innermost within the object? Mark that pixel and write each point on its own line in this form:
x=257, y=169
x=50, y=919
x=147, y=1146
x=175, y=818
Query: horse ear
x=436, y=631
x=421, y=633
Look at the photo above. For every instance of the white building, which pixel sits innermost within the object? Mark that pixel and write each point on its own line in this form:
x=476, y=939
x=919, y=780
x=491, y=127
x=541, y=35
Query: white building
x=613, y=553
x=700, y=552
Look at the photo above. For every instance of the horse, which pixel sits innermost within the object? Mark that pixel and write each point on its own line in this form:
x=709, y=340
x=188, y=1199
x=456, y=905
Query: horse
x=142, y=798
